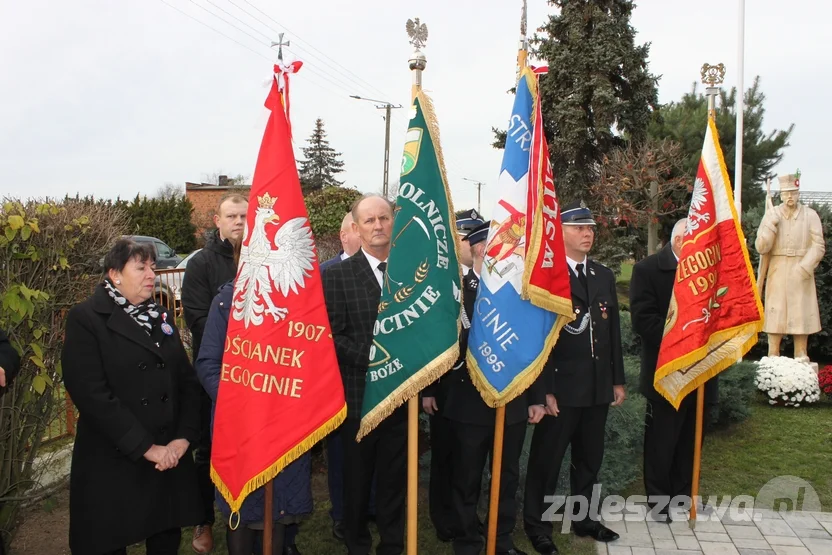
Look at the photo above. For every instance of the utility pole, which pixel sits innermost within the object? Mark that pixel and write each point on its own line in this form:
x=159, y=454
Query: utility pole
x=479, y=192
x=387, y=109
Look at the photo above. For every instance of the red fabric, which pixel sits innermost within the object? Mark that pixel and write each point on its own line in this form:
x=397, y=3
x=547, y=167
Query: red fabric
x=280, y=384
x=549, y=272
x=283, y=72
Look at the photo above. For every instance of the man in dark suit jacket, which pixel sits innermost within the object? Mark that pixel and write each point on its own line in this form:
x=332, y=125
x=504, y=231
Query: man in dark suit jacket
x=352, y=290
x=668, y=434
x=350, y=244
x=472, y=432
x=585, y=374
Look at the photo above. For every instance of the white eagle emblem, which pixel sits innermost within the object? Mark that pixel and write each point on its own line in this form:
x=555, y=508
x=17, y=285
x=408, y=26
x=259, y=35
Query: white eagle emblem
x=286, y=266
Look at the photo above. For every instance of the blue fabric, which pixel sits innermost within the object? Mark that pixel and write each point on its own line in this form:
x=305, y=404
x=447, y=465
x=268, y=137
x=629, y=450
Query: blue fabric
x=334, y=260
x=292, y=487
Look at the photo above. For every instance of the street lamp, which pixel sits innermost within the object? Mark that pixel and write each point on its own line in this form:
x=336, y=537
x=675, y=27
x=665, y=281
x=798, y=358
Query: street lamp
x=479, y=191
x=387, y=107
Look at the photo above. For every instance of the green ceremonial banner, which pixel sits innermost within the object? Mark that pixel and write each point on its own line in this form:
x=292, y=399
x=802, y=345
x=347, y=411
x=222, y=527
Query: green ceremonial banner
x=416, y=334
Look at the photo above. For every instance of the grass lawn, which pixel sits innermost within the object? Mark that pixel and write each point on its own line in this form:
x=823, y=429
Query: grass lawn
x=315, y=537
x=622, y=284
x=773, y=441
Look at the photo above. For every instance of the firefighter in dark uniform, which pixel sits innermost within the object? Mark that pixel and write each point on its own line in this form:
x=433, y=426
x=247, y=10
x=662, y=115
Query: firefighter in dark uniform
x=472, y=424
x=434, y=399
x=585, y=375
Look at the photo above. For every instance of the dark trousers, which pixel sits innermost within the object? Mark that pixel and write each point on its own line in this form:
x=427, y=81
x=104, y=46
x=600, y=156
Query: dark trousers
x=163, y=543
x=441, y=485
x=471, y=448
x=202, y=459
x=583, y=429
x=383, y=452
x=335, y=477
x=245, y=541
x=669, y=437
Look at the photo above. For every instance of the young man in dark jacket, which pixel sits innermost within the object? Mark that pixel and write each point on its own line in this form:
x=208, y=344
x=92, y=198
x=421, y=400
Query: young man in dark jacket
x=207, y=271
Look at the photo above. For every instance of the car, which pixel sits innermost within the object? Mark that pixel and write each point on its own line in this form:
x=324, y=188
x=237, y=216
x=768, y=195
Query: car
x=166, y=257
x=168, y=290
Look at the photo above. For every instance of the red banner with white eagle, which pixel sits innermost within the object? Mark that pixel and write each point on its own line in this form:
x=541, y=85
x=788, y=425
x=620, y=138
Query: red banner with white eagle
x=280, y=388
x=715, y=312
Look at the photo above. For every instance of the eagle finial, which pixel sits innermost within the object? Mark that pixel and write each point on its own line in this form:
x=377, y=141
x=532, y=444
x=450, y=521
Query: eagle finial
x=418, y=32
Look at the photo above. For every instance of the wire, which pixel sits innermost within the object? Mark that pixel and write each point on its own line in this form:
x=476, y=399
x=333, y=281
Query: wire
x=349, y=74
x=314, y=82
x=215, y=30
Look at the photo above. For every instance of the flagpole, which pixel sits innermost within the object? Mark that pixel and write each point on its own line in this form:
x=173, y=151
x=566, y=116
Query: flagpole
x=268, y=508
x=418, y=36
x=740, y=111
x=500, y=412
x=711, y=76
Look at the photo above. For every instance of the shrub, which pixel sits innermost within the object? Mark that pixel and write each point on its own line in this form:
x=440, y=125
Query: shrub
x=825, y=379
x=327, y=208
x=736, y=393
x=630, y=341
x=49, y=256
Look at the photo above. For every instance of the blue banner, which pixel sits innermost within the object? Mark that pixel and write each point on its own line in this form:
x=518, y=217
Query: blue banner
x=510, y=338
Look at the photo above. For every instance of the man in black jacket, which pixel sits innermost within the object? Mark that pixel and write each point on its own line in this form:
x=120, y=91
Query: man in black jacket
x=472, y=431
x=350, y=243
x=352, y=290
x=207, y=271
x=435, y=396
x=669, y=435
x=585, y=377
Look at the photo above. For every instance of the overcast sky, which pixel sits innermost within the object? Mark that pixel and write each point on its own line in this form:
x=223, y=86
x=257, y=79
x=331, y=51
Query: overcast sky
x=115, y=97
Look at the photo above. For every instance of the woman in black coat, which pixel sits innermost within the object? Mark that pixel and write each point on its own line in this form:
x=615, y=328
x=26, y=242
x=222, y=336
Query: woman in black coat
x=126, y=370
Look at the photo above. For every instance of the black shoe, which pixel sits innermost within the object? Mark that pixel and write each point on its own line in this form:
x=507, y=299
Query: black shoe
x=445, y=536
x=338, y=529
x=596, y=531
x=513, y=551
x=371, y=518
x=291, y=550
x=544, y=545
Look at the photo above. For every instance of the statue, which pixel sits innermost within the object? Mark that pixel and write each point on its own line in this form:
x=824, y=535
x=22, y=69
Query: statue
x=790, y=243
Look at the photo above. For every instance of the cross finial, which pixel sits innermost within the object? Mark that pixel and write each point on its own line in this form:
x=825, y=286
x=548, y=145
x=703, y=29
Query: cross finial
x=280, y=44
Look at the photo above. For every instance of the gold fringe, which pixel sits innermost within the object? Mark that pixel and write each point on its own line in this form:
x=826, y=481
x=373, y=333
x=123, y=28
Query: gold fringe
x=544, y=299
x=727, y=353
x=275, y=468
x=536, y=239
x=523, y=380
x=723, y=356
x=408, y=389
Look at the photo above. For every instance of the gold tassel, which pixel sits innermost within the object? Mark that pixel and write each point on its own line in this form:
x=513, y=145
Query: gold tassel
x=274, y=469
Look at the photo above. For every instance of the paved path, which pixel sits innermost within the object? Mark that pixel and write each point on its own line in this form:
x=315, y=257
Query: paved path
x=770, y=533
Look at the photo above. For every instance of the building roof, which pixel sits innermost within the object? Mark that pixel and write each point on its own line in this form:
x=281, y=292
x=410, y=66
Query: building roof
x=823, y=198
x=214, y=187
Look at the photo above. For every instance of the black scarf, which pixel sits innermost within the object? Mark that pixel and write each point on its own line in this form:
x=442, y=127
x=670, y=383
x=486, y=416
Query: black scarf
x=146, y=314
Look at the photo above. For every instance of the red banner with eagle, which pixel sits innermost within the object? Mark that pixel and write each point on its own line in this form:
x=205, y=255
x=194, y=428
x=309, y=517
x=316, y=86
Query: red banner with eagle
x=280, y=388
x=715, y=312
